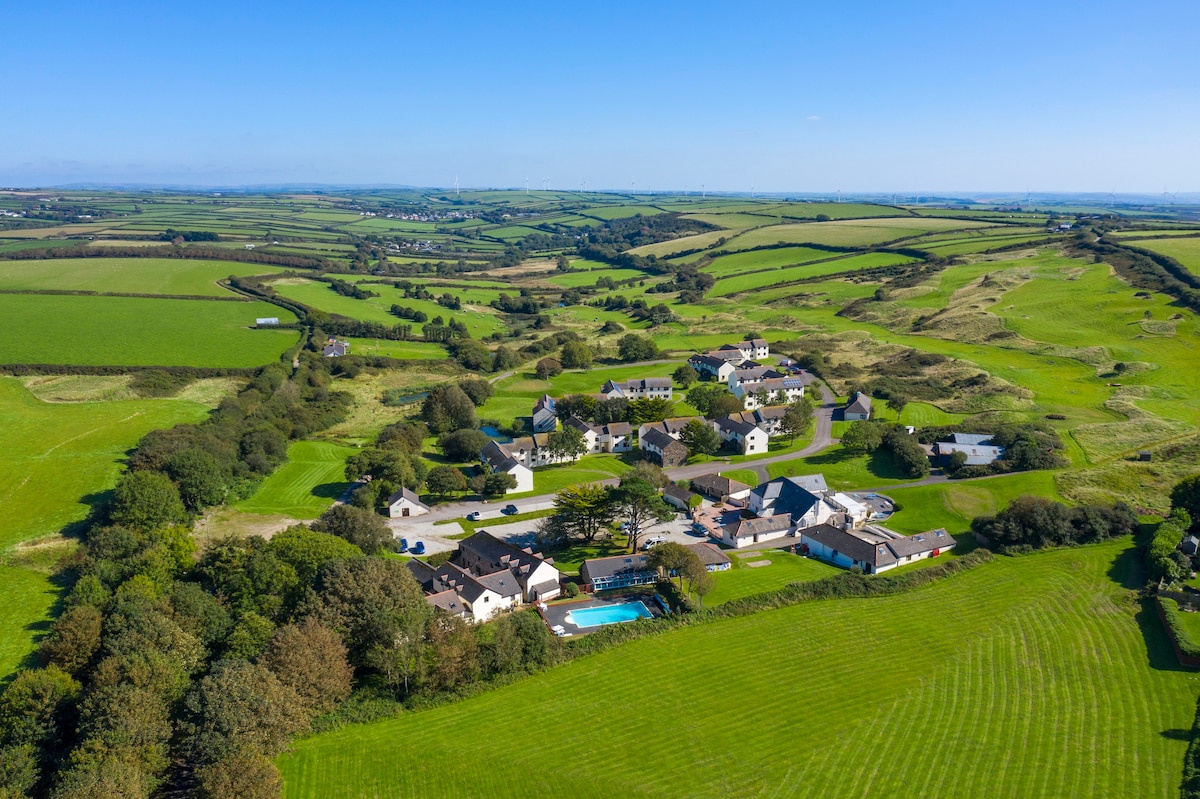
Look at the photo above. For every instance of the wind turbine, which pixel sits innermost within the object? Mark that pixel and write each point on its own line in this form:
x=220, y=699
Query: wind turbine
x=456, y=185
x=527, y=185
x=545, y=184
x=703, y=193
x=1112, y=198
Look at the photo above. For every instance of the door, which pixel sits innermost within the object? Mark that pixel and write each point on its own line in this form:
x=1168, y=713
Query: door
x=404, y=511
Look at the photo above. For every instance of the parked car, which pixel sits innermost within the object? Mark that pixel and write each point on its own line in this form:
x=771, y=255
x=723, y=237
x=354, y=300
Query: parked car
x=653, y=541
x=403, y=545
x=624, y=527
x=510, y=510
x=474, y=516
x=418, y=548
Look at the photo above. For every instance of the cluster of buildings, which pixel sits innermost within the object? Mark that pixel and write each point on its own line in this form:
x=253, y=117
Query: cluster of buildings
x=487, y=576
x=829, y=525
x=764, y=391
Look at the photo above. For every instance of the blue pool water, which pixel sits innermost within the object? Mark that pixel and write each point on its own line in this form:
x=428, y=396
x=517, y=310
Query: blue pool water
x=609, y=614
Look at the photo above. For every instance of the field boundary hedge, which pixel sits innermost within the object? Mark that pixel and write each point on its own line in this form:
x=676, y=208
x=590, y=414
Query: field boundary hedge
x=171, y=251
x=87, y=293
x=1189, y=786
x=1187, y=649
x=194, y=372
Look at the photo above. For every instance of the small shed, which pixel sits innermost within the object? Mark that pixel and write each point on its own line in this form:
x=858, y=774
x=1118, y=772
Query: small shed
x=1145, y=455
x=405, y=503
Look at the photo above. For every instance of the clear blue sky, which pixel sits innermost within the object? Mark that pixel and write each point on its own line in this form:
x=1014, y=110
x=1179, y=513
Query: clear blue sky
x=789, y=96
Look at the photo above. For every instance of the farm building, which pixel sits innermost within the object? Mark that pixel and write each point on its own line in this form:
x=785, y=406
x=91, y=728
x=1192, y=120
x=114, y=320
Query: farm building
x=545, y=420
x=719, y=488
x=873, y=550
x=405, y=503
x=858, y=409
x=266, y=321
x=484, y=554
x=659, y=447
x=744, y=532
x=336, y=349
x=680, y=498
x=497, y=459
x=622, y=571
x=975, y=446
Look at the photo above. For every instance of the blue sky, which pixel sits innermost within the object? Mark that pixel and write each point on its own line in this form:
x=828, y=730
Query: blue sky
x=807, y=97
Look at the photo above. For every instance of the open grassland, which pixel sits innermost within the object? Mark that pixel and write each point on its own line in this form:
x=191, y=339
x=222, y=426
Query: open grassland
x=127, y=275
x=406, y=350
x=699, y=241
x=131, y=331
x=754, y=260
x=55, y=457
x=588, y=278
x=306, y=485
x=835, y=265
x=1032, y=676
x=1184, y=250
x=54, y=460
x=854, y=233
x=480, y=319
x=953, y=504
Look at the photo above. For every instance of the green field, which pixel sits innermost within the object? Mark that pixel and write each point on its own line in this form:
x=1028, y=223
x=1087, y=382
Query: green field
x=306, y=485
x=422, y=350
x=55, y=458
x=1032, y=676
x=127, y=275
x=1185, y=251
x=855, y=233
x=774, y=277
x=129, y=331
x=744, y=580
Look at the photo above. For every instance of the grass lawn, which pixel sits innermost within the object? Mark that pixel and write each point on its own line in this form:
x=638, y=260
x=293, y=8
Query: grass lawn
x=1042, y=674
x=128, y=331
x=588, y=469
x=1185, y=251
x=746, y=476
x=743, y=580
x=306, y=485
x=954, y=504
x=128, y=275
x=842, y=470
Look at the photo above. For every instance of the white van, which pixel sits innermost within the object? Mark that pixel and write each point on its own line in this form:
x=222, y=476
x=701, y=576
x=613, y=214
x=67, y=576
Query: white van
x=653, y=541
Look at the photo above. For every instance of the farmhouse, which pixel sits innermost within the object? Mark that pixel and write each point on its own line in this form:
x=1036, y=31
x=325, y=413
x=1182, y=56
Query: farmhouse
x=545, y=420
x=873, y=550
x=858, y=409
x=483, y=597
x=643, y=388
x=484, y=555
x=405, y=503
x=787, y=496
x=776, y=390
x=622, y=571
x=745, y=437
x=496, y=459
x=336, y=349
x=661, y=448
x=719, y=488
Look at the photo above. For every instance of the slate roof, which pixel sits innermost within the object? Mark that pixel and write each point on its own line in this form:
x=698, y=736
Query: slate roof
x=709, y=555
x=501, y=554
x=883, y=553
x=448, y=601
x=734, y=425
x=811, y=482
x=976, y=455
x=859, y=403
x=579, y=425
x=658, y=439
x=599, y=568
x=970, y=438
x=619, y=429
x=673, y=425
x=645, y=383
x=746, y=528
x=681, y=494
x=410, y=495
x=497, y=458
x=785, y=495
x=545, y=403
x=713, y=485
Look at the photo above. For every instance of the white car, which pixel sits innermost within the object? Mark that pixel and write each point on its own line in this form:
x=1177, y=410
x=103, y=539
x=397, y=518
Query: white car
x=474, y=516
x=653, y=542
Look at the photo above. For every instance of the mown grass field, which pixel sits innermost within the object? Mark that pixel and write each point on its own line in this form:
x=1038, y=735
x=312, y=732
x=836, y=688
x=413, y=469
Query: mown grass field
x=422, y=350
x=1033, y=676
x=834, y=265
x=127, y=275
x=306, y=485
x=29, y=598
x=743, y=580
x=130, y=331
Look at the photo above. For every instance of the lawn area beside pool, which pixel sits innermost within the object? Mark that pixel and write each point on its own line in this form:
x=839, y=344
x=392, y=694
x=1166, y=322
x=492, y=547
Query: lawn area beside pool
x=743, y=580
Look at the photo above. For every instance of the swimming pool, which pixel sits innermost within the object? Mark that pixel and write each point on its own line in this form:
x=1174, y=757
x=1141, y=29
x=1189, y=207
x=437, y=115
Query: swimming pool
x=609, y=614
